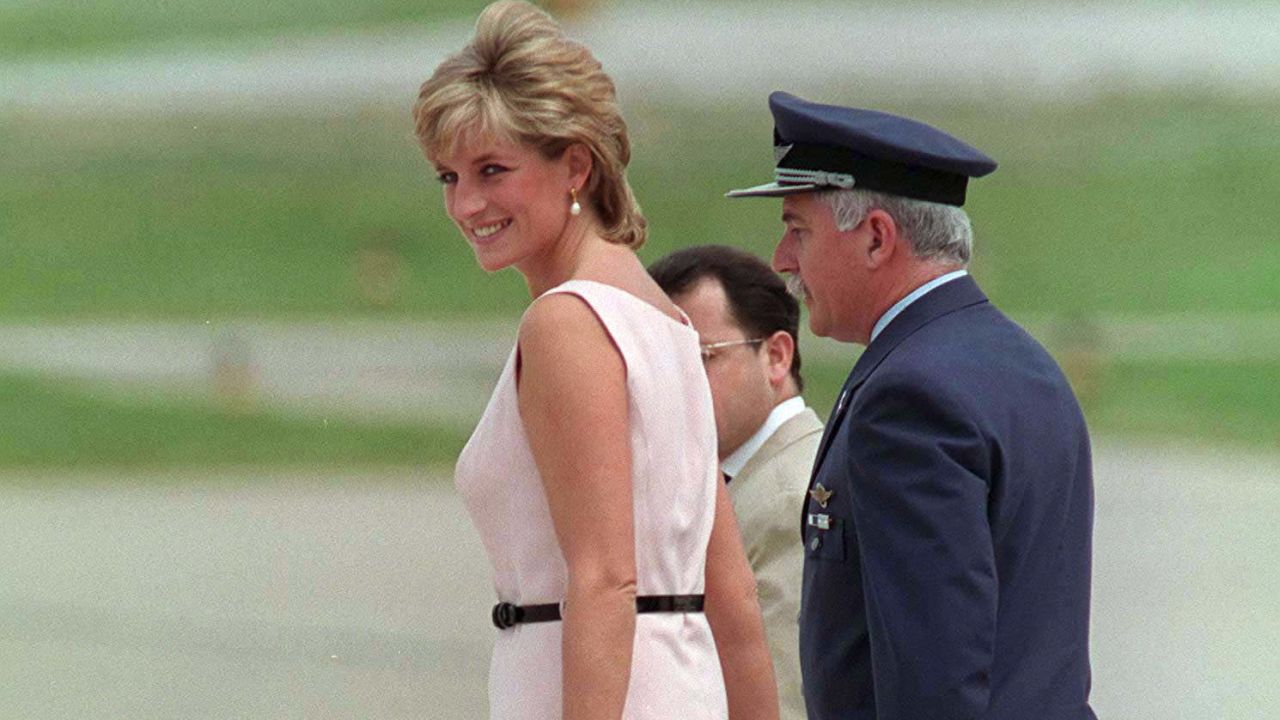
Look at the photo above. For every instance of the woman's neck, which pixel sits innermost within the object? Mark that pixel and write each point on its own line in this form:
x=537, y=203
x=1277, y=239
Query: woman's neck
x=564, y=260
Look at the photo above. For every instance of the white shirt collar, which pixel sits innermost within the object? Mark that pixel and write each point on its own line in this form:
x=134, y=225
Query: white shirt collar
x=915, y=295
x=781, y=413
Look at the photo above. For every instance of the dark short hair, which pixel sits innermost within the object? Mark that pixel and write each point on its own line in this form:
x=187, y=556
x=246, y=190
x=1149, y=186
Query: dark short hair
x=758, y=299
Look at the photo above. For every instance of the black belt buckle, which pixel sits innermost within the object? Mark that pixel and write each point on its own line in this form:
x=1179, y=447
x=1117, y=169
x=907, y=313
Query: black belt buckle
x=505, y=615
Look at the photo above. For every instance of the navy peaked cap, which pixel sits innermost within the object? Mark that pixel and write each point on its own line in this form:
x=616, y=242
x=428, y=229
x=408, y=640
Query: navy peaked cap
x=823, y=147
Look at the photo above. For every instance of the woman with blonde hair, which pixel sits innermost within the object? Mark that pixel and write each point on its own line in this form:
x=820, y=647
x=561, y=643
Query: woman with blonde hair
x=622, y=585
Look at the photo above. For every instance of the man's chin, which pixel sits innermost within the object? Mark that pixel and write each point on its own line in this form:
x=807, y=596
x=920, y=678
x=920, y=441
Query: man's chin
x=816, y=327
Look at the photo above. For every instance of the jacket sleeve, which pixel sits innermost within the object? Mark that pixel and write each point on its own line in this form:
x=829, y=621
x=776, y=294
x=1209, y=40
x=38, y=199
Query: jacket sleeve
x=925, y=545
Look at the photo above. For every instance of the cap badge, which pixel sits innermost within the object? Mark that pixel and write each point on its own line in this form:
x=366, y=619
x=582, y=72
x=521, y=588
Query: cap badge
x=821, y=494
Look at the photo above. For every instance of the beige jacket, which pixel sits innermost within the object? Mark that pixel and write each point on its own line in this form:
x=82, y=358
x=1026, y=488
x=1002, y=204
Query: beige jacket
x=767, y=496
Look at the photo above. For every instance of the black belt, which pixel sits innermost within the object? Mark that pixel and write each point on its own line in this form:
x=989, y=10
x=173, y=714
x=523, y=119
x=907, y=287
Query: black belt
x=506, y=615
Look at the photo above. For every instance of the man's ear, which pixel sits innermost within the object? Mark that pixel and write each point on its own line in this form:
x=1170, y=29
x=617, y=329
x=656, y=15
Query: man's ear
x=780, y=349
x=884, y=239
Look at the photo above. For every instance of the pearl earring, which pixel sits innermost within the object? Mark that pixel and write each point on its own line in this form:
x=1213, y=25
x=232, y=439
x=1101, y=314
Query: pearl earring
x=574, y=208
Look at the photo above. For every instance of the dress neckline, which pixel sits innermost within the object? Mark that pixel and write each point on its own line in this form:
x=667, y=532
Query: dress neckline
x=684, y=322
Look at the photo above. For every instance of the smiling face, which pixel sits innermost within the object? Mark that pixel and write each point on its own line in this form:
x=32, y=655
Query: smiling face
x=510, y=202
x=826, y=261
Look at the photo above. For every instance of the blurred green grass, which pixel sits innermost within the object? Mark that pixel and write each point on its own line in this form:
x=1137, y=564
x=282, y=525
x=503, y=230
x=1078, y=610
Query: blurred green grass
x=46, y=27
x=1126, y=206
x=1206, y=403
x=1139, y=206
x=1186, y=402
x=61, y=424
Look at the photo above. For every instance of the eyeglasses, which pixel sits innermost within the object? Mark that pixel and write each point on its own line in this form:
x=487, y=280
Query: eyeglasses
x=709, y=349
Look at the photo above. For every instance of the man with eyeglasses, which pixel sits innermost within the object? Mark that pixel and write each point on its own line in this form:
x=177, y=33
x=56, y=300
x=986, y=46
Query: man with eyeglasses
x=747, y=323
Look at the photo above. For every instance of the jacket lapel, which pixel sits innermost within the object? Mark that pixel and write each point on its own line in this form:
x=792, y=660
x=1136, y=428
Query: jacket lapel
x=945, y=299
x=792, y=430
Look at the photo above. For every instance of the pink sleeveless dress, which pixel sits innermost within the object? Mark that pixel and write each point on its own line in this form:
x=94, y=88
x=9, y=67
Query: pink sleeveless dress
x=675, y=672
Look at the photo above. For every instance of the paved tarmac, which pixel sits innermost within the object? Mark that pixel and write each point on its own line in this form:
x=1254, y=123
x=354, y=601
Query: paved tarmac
x=285, y=596
x=304, y=595
x=443, y=372
x=439, y=372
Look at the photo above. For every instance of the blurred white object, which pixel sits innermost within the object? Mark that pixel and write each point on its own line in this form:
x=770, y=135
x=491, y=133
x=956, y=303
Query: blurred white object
x=701, y=52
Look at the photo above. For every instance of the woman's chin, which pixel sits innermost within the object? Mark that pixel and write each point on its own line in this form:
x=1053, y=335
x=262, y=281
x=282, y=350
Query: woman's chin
x=492, y=263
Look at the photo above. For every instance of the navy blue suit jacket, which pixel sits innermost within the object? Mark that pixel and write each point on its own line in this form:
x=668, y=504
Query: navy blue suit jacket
x=950, y=575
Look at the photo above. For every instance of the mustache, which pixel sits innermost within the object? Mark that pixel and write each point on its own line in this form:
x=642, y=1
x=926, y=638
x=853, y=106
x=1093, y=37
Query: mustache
x=796, y=287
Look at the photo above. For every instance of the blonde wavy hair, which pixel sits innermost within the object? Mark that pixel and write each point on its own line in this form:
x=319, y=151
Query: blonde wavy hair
x=520, y=79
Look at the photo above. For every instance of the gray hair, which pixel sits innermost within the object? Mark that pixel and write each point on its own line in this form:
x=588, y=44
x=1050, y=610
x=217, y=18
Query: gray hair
x=934, y=231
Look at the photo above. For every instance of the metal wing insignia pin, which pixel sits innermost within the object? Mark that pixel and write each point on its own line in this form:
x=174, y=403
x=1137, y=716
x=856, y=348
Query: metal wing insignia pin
x=821, y=494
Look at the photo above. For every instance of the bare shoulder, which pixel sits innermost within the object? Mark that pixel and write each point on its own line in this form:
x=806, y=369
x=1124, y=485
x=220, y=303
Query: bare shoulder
x=571, y=383
x=562, y=334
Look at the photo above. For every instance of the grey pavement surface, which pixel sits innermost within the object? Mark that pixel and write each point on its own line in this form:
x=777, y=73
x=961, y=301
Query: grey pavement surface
x=443, y=372
x=298, y=596
x=1054, y=52
x=187, y=595
x=434, y=371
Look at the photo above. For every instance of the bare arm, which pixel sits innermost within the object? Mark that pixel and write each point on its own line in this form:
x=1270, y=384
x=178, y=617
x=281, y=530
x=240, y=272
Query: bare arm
x=734, y=614
x=573, y=403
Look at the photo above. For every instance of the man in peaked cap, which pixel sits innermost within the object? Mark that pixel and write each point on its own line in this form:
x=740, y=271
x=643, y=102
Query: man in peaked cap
x=948, y=524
